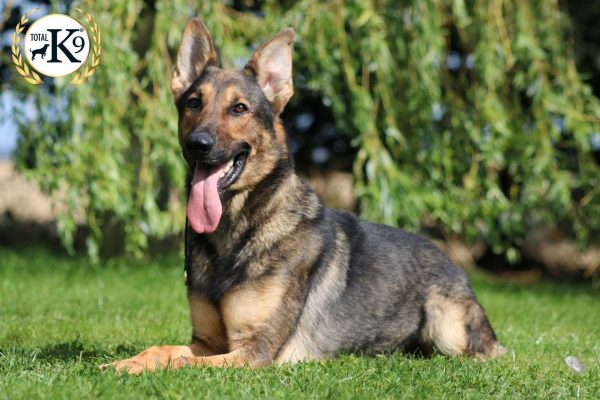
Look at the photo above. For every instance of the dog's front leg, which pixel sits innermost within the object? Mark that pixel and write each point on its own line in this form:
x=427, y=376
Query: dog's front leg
x=156, y=357
x=237, y=358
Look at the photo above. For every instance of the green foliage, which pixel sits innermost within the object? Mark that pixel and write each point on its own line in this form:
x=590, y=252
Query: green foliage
x=483, y=151
x=61, y=318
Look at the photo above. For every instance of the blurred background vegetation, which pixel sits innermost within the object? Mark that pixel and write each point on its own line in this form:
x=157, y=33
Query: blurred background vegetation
x=475, y=122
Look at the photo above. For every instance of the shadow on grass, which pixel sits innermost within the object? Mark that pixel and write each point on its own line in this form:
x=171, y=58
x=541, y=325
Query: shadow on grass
x=69, y=351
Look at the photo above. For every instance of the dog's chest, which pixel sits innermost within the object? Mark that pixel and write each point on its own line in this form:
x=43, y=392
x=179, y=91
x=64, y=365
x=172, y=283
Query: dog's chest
x=239, y=313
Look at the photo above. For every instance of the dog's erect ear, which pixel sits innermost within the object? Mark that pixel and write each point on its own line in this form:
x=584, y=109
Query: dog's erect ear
x=195, y=53
x=271, y=64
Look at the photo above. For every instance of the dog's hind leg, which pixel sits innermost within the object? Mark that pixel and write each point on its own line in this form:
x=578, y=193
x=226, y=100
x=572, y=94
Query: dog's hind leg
x=458, y=326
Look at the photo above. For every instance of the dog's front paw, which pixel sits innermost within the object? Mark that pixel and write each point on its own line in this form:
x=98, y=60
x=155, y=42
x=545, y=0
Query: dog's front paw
x=152, y=359
x=132, y=366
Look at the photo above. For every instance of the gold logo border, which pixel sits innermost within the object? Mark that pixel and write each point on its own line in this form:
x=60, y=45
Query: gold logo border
x=90, y=69
x=20, y=64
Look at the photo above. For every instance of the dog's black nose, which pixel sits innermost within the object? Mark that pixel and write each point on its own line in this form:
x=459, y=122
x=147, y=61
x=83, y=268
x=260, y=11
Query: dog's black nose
x=201, y=142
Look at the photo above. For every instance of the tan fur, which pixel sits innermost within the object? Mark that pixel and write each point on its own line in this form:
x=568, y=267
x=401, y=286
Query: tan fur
x=495, y=350
x=207, y=91
x=235, y=358
x=248, y=306
x=177, y=84
x=207, y=324
x=445, y=324
x=259, y=164
x=236, y=205
x=296, y=350
x=151, y=359
x=280, y=134
x=157, y=357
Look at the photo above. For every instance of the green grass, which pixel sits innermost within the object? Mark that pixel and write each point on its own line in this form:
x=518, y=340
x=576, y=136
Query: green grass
x=61, y=317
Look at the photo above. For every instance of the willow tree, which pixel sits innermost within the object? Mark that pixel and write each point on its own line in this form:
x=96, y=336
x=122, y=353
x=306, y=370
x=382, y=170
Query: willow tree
x=469, y=116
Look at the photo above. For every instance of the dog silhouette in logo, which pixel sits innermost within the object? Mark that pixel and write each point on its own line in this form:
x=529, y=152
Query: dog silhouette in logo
x=41, y=51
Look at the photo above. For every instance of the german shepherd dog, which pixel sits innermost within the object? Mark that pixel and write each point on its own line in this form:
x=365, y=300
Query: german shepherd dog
x=272, y=275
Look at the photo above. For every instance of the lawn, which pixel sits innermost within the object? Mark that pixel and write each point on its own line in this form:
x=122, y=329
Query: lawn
x=60, y=317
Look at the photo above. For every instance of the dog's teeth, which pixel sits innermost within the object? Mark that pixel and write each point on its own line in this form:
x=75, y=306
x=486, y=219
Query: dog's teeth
x=229, y=165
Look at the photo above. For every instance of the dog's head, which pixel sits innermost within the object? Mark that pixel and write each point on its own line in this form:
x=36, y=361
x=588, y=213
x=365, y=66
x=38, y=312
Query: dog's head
x=229, y=127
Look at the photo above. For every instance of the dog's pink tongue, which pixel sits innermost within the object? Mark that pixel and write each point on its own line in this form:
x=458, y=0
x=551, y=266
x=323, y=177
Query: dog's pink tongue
x=204, y=205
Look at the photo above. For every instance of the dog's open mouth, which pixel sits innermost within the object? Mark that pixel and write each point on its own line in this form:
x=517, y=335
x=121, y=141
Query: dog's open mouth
x=204, y=207
x=231, y=171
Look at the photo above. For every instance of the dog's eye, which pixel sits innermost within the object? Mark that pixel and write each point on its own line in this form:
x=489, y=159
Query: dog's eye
x=239, y=108
x=193, y=103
